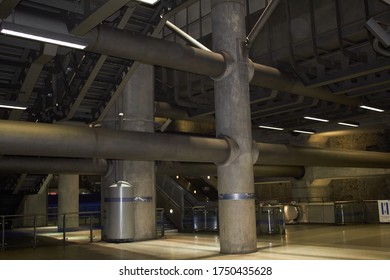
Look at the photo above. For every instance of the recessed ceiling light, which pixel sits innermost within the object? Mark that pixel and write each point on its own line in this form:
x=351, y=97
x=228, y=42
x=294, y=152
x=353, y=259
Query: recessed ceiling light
x=348, y=124
x=372, y=108
x=316, y=119
x=150, y=2
x=12, y=105
x=46, y=36
x=270, y=127
x=303, y=131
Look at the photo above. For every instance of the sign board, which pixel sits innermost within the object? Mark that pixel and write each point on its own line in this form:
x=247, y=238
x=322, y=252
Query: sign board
x=383, y=209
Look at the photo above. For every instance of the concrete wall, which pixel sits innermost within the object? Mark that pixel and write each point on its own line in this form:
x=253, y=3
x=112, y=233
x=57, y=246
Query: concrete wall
x=367, y=141
x=278, y=191
x=335, y=184
x=360, y=189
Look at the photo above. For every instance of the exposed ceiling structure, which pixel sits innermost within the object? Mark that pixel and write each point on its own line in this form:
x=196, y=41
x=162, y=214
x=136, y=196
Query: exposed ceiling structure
x=333, y=56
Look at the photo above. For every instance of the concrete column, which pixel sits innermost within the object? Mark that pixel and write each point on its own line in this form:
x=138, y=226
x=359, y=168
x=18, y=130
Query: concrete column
x=138, y=115
x=116, y=205
x=237, y=218
x=68, y=201
x=134, y=111
x=34, y=204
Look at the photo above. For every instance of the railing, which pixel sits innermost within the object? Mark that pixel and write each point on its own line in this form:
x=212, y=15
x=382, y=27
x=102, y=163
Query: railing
x=160, y=229
x=56, y=229
x=370, y=210
x=270, y=220
x=203, y=218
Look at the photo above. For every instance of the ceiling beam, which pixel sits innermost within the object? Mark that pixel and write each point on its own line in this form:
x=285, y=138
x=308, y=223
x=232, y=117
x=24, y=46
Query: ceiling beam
x=45, y=184
x=19, y=184
x=99, y=15
x=6, y=7
x=83, y=92
x=135, y=65
x=32, y=76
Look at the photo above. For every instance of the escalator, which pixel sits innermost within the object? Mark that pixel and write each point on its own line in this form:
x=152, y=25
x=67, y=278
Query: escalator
x=204, y=191
x=188, y=202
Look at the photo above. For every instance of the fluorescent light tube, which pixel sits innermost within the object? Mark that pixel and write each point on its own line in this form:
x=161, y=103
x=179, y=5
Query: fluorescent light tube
x=10, y=104
x=371, y=108
x=150, y=2
x=26, y=32
x=316, y=119
x=270, y=127
x=348, y=124
x=16, y=107
x=303, y=131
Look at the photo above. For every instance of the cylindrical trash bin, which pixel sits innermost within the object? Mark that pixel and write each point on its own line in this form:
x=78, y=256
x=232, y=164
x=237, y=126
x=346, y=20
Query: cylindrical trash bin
x=118, y=213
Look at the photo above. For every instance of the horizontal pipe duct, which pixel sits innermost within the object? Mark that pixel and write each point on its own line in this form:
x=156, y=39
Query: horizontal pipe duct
x=168, y=54
x=308, y=156
x=39, y=139
x=206, y=169
x=50, y=165
x=51, y=140
x=150, y=50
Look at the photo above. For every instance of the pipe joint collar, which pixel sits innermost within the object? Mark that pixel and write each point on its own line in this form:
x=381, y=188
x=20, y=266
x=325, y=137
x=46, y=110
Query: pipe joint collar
x=255, y=152
x=110, y=169
x=229, y=61
x=251, y=70
x=233, y=150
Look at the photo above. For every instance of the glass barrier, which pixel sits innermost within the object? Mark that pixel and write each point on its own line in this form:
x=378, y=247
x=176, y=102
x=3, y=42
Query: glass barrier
x=56, y=229
x=270, y=220
x=204, y=218
x=347, y=212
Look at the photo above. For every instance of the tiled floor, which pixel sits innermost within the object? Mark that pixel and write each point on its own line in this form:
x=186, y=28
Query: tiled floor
x=301, y=242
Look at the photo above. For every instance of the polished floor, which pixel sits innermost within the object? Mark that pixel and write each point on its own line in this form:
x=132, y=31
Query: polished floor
x=301, y=242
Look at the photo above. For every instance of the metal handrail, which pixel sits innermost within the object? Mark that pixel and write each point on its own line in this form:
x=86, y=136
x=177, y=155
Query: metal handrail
x=61, y=219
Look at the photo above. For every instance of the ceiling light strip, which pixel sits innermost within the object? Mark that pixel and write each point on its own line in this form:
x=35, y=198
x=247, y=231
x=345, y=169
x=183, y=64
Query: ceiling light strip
x=348, y=124
x=372, y=108
x=316, y=119
x=303, y=131
x=150, y=2
x=27, y=32
x=16, y=107
x=270, y=127
x=43, y=39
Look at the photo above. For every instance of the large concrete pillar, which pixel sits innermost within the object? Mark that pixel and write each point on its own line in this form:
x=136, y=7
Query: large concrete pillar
x=138, y=115
x=232, y=106
x=134, y=111
x=34, y=205
x=68, y=201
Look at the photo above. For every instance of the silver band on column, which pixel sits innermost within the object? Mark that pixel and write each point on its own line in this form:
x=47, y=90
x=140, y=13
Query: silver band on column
x=236, y=196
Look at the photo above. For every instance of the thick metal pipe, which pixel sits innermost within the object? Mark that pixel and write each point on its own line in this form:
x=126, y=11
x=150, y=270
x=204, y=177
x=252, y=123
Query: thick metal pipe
x=185, y=36
x=50, y=165
x=261, y=22
x=207, y=169
x=52, y=140
x=307, y=156
x=156, y=51
x=269, y=77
